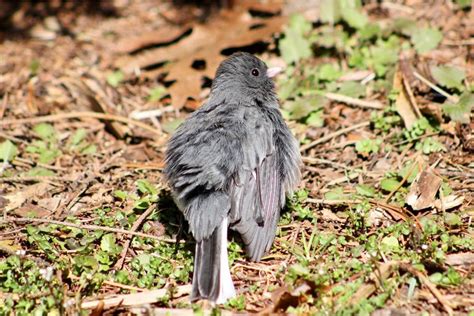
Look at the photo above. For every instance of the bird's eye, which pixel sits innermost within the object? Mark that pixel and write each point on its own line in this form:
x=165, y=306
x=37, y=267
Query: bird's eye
x=255, y=72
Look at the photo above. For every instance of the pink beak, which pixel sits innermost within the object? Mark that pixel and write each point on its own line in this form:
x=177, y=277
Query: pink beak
x=272, y=72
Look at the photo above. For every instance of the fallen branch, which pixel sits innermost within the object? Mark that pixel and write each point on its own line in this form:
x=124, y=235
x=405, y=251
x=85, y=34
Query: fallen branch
x=87, y=227
x=333, y=135
x=72, y=115
x=135, y=299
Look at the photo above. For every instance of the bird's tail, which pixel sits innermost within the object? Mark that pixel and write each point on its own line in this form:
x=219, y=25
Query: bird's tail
x=211, y=278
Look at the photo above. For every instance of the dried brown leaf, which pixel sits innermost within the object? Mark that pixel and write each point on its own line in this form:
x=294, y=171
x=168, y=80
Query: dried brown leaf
x=460, y=259
x=402, y=102
x=433, y=110
x=285, y=297
x=228, y=30
x=423, y=190
x=166, y=34
x=449, y=202
x=18, y=198
x=376, y=280
x=31, y=210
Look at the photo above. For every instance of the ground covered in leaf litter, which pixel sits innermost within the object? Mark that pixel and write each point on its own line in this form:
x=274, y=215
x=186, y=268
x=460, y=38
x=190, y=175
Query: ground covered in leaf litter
x=380, y=98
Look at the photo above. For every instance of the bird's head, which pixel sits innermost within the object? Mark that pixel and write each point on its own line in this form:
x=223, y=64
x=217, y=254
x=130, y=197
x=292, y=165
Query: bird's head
x=245, y=78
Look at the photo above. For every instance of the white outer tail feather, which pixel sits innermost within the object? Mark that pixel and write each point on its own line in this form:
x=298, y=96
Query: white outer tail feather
x=226, y=286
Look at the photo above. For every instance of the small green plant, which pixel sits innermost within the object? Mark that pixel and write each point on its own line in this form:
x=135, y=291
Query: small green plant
x=358, y=217
x=426, y=39
x=237, y=303
x=47, y=146
x=115, y=78
x=157, y=93
x=35, y=290
x=77, y=143
x=460, y=111
x=295, y=44
x=450, y=277
x=385, y=121
x=295, y=203
x=430, y=145
x=366, y=147
x=8, y=151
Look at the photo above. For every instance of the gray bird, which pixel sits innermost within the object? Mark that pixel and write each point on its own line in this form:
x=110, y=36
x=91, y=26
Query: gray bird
x=230, y=164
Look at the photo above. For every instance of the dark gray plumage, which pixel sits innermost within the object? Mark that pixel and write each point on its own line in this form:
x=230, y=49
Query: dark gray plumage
x=231, y=163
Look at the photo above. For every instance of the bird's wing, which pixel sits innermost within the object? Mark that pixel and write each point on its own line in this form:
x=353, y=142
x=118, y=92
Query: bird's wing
x=258, y=193
x=255, y=207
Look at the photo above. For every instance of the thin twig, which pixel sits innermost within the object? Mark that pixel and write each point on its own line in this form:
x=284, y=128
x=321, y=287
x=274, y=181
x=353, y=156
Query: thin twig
x=391, y=209
x=332, y=202
x=353, y=101
x=146, y=297
x=49, y=179
x=382, y=272
x=424, y=279
x=3, y=107
x=39, y=164
x=10, y=232
x=87, y=227
x=136, y=225
x=72, y=115
x=141, y=115
x=112, y=283
x=333, y=135
x=12, y=138
x=435, y=87
x=467, y=42
x=73, y=201
x=139, y=165
x=312, y=160
x=397, y=6
x=416, y=139
x=411, y=97
x=347, y=177
x=405, y=178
